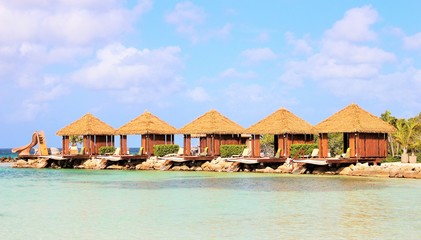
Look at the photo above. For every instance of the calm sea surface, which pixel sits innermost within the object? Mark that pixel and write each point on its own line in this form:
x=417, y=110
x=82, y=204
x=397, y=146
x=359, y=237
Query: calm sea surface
x=87, y=204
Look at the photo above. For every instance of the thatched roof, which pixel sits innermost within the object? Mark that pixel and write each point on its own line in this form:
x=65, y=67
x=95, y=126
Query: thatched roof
x=353, y=119
x=147, y=123
x=87, y=125
x=280, y=122
x=212, y=122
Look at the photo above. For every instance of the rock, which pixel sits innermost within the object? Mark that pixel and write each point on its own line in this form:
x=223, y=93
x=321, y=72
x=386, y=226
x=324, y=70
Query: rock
x=175, y=168
x=42, y=163
x=268, y=170
x=217, y=168
x=299, y=170
x=285, y=168
x=410, y=174
x=199, y=169
x=184, y=168
x=344, y=170
x=205, y=165
x=394, y=172
x=21, y=164
x=260, y=170
x=115, y=167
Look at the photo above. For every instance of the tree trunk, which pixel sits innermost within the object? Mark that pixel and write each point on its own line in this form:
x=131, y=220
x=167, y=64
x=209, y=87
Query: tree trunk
x=389, y=138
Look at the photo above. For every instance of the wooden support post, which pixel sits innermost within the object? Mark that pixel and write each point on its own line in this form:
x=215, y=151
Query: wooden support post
x=187, y=144
x=255, y=146
x=123, y=144
x=323, y=145
x=65, y=147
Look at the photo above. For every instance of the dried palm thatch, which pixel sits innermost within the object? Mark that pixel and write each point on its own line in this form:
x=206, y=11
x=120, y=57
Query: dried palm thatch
x=147, y=123
x=87, y=125
x=212, y=122
x=353, y=119
x=280, y=122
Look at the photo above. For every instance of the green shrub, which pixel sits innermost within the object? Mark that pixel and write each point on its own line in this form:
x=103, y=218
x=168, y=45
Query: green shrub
x=390, y=158
x=106, y=150
x=307, y=148
x=229, y=150
x=164, y=149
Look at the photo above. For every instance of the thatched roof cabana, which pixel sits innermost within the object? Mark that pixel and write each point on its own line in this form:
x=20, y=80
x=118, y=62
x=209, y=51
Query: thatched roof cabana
x=212, y=122
x=144, y=124
x=353, y=119
x=217, y=129
x=280, y=122
x=287, y=129
x=364, y=133
x=86, y=125
x=95, y=132
x=153, y=131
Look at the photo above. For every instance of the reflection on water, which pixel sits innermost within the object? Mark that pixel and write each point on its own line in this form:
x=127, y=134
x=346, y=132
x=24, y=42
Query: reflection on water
x=200, y=205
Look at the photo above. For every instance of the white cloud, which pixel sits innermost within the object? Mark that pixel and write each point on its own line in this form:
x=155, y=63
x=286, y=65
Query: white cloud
x=64, y=22
x=233, y=73
x=257, y=55
x=199, y=94
x=413, y=42
x=300, y=45
x=190, y=21
x=350, y=65
x=129, y=69
x=354, y=26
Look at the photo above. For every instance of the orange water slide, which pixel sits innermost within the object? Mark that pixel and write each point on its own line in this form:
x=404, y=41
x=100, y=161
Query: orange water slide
x=25, y=150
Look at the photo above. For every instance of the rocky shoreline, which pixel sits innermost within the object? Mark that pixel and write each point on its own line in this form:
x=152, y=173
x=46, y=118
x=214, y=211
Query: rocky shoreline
x=7, y=160
x=391, y=170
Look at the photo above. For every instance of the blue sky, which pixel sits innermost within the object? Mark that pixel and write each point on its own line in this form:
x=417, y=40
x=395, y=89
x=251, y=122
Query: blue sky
x=178, y=59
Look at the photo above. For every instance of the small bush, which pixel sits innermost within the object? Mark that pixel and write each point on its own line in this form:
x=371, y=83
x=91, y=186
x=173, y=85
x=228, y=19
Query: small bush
x=106, y=150
x=308, y=148
x=390, y=158
x=229, y=150
x=164, y=149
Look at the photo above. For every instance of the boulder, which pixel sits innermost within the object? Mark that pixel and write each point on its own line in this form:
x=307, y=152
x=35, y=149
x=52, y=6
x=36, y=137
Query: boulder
x=268, y=170
x=175, y=168
x=115, y=167
x=42, y=163
x=411, y=174
x=344, y=170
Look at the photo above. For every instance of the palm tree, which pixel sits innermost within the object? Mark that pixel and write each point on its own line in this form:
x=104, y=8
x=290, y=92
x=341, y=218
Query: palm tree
x=387, y=117
x=75, y=139
x=405, y=134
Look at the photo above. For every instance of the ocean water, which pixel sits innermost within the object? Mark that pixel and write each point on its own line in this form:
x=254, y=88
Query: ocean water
x=89, y=204
x=7, y=152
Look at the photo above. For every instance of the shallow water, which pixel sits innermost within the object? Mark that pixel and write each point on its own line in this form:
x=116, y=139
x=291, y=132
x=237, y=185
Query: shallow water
x=84, y=204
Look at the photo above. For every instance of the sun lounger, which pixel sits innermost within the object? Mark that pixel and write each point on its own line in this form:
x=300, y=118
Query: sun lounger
x=205, y=152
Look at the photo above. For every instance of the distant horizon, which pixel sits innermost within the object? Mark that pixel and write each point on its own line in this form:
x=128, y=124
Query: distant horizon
x=180, y=59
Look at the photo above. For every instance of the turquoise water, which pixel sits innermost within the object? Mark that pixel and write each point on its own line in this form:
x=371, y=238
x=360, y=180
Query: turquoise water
x=83, y=204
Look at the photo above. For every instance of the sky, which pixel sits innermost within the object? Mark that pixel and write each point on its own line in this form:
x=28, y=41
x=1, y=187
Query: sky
x=61, y=59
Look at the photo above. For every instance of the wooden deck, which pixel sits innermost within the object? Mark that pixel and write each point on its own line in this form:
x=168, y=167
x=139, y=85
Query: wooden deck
x=271, y=160
x=79, y=157
x=199, y=158
x=338, y=161
x=134, y=157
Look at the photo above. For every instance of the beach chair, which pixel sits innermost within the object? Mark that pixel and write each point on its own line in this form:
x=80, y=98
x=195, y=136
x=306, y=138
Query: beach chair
x=347, y=154
x=246, y=153
x=82, y=151
x=140, y=152
x=205, y=152
x=180, y=152
x=314, y=153
x=278, y=153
